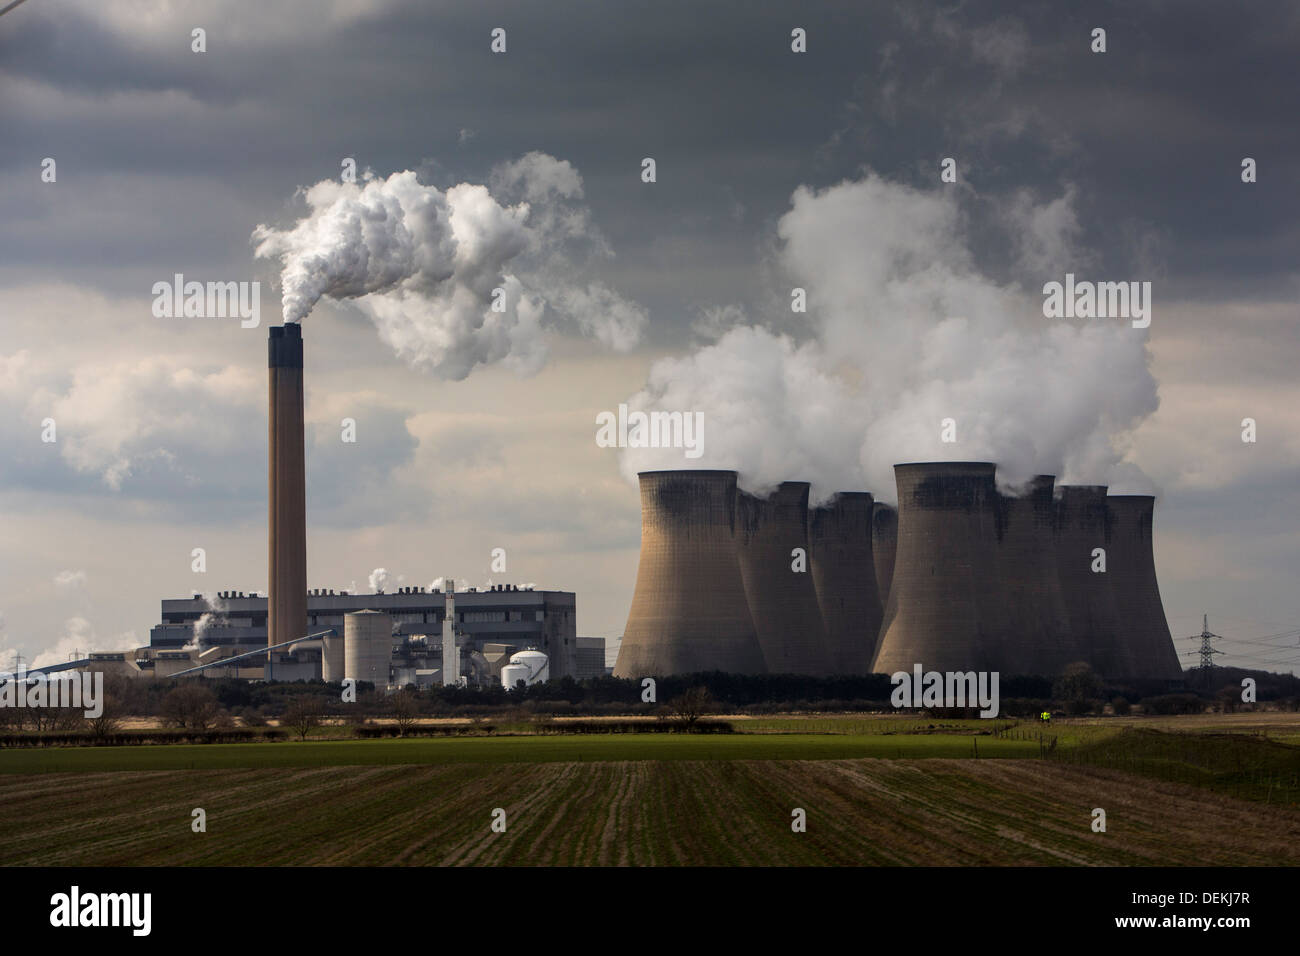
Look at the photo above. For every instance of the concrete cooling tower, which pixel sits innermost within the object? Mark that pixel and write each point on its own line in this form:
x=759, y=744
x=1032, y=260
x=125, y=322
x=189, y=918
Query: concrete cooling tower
x=844, y=576
x=1083, y=525
x=782, y=601
x=943, y=610
x=1131, y=567
x=689, y=612
x=1037, y=639
x=884, y=541
x=287, y=490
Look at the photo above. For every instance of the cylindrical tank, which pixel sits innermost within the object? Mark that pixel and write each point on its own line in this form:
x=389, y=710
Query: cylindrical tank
x=782, y=600
x=535, y=663
x=512, y=674
x=1082, y=526
x=884, y=542
x=1037, y=639
x=942, y=611
x=368, y=647
x=332, y=659
x=1143, y=629
x=844, y=576
x=688, y=612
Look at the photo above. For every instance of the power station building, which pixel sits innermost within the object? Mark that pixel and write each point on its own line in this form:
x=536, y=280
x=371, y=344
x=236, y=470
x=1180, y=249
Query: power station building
x=493, y=624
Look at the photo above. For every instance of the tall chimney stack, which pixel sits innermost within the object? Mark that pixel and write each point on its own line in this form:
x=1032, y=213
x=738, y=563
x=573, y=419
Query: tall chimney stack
x=286, y=608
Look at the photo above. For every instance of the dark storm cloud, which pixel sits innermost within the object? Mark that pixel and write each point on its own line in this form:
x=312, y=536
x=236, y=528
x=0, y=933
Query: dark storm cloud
x=1152, y=131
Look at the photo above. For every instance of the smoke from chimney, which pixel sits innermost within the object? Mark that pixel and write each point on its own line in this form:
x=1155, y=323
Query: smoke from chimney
x=455, y=279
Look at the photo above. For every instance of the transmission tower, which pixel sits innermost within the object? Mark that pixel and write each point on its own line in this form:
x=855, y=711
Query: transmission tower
x=1207, y=651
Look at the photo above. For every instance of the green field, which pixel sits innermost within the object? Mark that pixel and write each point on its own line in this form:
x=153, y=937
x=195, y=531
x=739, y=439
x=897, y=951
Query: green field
x=736, y=812
x=877, y=790
x=523, y=749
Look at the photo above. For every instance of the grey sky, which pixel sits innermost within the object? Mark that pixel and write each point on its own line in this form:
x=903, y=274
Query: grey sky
x=168, y=159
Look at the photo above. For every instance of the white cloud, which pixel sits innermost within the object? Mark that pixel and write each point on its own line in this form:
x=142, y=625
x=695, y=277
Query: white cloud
x=70, y=580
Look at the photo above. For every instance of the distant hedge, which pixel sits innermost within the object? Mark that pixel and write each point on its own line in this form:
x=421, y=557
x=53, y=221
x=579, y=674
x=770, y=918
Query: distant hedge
x=136, y=737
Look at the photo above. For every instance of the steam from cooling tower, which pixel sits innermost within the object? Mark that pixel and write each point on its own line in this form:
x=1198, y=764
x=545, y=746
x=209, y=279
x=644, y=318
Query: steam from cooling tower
x=903, y=330
x=427, y=266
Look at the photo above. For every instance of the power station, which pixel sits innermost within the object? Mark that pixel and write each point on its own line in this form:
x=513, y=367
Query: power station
x=689, y=609
x=844, y=575
x=771, y=539
x=960, y=577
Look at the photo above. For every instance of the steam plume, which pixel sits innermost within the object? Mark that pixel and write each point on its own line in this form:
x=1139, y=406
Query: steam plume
x=904, y=330
x=424, y=264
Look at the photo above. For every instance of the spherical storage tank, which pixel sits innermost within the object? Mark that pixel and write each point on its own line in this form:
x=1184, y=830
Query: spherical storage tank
x=527, y=666
x=367, y=646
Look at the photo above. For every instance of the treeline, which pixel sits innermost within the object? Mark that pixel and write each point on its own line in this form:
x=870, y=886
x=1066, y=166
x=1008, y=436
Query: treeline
x=202, y=705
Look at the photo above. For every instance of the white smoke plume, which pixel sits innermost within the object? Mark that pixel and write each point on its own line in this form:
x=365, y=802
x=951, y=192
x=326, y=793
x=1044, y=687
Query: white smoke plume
x=215, y=614
x=78, y=640
x=422, y=264
x=903, y=331
x=381, y=580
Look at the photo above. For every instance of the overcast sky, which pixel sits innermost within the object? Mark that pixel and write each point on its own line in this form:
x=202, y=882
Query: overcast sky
x=774, y=170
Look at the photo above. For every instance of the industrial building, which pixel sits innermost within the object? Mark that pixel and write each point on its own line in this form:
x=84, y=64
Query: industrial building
x=492, y=624
x=960, y=577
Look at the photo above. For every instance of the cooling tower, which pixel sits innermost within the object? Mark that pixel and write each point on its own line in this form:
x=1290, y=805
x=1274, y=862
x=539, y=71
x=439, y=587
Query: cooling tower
x=368, y=647
x=287, y=525
x=884, y=541
x=688, y=610
x=943, y=608
x=1083, y=525
x=844, y=576
x=1037, y=637
x=782, y=600
x=1131, y=567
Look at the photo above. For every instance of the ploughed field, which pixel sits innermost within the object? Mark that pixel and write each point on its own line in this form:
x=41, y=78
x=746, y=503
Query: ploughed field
x=689, y=811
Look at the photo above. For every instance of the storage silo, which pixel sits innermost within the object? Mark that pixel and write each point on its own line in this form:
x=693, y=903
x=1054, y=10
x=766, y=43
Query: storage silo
x=1082, y=526
x=368, y=647
x=1037, y=639
x=332, y=658
x=782, y=600
x=844, y=576
x=1143, y=628
x=943, y=602
x=689, y=612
